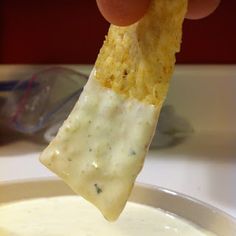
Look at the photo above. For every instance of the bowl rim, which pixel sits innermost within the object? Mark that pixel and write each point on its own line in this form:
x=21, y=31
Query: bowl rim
x=188, y=198
x=194, y=211
x=152, y=187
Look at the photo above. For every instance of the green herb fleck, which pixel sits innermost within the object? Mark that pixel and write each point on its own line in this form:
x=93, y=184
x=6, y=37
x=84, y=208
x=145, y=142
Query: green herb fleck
x=89, y=121
x=69, y=159
x=132, y=152
x=90, y=149
x=98, y=189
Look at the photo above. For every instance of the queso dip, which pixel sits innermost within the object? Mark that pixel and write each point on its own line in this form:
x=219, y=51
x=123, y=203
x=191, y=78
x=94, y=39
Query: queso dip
x=73, y=216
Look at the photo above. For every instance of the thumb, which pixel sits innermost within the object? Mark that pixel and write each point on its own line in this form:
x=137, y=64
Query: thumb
x=123, y=12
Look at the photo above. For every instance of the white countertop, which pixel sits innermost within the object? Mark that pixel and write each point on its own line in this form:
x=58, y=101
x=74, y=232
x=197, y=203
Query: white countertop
x=202, y=166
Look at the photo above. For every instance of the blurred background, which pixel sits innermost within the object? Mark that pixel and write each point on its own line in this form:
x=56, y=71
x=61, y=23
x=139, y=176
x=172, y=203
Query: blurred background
x=72, y=31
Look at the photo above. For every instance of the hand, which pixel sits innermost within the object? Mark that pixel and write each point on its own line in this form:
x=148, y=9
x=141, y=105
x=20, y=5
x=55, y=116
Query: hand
x=126, y=12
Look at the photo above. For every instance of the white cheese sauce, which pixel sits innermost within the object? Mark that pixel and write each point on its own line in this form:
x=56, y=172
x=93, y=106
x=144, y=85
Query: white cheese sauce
x=73, y=216
x=100, y=148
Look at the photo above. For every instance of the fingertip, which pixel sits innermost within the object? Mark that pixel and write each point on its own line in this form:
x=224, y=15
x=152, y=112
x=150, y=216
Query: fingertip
x=123, y=12
x=198, y=9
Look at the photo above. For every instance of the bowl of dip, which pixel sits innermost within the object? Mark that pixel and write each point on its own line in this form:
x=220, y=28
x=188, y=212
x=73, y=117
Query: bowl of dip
x=47, y=207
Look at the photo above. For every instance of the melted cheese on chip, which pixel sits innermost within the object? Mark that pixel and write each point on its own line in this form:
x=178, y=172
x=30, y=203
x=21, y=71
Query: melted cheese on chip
x=100, y=148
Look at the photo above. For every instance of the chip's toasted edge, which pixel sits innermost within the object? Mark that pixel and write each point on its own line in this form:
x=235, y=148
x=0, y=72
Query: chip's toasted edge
x=138, y=61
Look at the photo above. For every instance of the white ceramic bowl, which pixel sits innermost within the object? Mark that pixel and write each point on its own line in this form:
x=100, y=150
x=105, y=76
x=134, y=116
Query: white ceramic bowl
x=190, y=209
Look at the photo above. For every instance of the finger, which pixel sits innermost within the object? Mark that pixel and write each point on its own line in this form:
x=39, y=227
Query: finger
x=198, y=9
x=123, y=12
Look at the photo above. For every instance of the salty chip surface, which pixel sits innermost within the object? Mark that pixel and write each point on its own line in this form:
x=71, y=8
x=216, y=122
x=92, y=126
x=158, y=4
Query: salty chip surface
x=100, y=148
x=138, y=61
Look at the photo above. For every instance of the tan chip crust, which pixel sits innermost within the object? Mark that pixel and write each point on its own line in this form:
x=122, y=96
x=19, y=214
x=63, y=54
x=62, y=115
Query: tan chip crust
x=137, y=61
